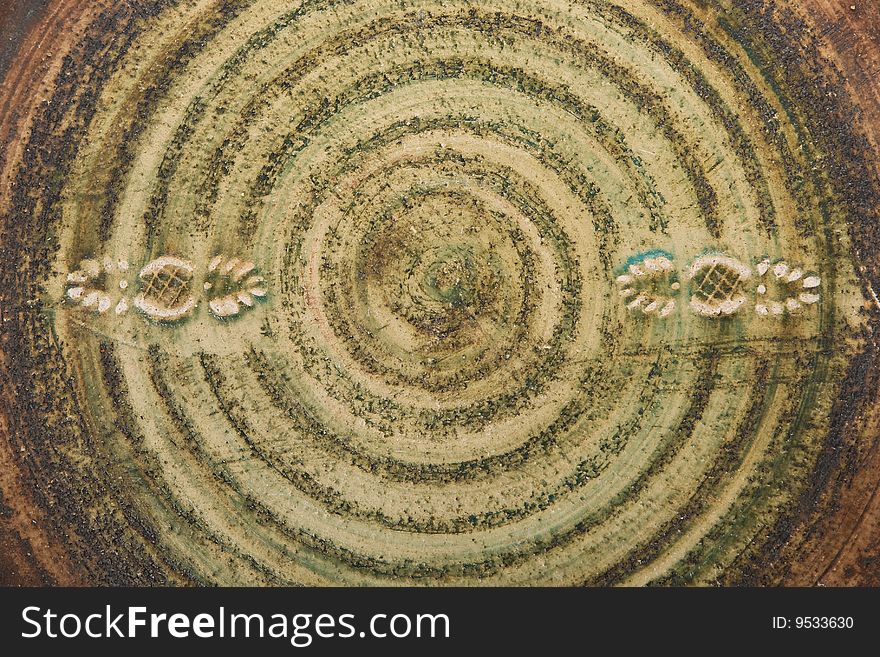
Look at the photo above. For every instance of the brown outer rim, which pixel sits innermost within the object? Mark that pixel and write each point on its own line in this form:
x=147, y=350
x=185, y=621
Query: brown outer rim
x=842, y=546
x=836, y=536
x=32, y=556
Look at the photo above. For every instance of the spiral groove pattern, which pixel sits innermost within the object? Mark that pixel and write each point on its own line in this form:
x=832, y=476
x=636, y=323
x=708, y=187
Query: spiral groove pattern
x=441, y=383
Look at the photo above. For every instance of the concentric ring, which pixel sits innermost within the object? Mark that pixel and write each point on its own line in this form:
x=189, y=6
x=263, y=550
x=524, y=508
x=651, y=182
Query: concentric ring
x=423, y=370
